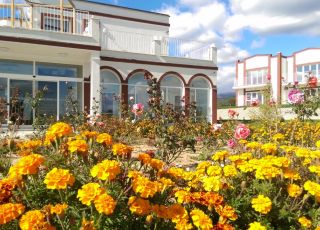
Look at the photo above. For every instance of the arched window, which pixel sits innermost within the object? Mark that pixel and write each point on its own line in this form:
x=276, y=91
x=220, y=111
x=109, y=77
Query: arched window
x=200, y=93
x=172, y=90
x=137, y=88
x=110, y=92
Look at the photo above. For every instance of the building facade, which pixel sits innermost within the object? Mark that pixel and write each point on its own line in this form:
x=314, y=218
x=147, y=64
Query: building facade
x=96, y=52
x=280, y=72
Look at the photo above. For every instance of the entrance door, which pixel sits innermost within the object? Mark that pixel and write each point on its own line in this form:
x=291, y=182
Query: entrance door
x=20, y=110
x=49, y=103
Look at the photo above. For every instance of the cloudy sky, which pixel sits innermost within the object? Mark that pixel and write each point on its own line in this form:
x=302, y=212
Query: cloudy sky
x=239, y=28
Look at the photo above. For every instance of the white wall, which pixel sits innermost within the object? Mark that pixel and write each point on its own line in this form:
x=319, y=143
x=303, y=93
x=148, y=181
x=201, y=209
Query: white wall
x=257, y=62
x=240, y=73
x=290, y=74
x=307, y=56
x=274, y=76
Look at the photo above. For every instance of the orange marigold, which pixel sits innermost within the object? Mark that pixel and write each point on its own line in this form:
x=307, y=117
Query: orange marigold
x=105, y=204
x=34, y=219
x=89, y=134
x=139, y=206
x=59, y=179
x=87, y=225
x=60, y=129
x=27, y=165
x=144, y=158
x=106, y=170
x=201, y=220
x=121, y=149
x=79, y=146
x=104, y=138
x=146, y=188
x=58, y=209
x=89, y=192
x=10, y=212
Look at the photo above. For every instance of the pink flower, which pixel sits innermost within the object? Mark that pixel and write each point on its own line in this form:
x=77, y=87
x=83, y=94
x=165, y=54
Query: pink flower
x=131, y=98
x=255, y=102
x=232, y=113
x=100, y=124
x=137, y=109
x=295, y=96
x=268, y=77
x=242, y=132
x=231, y=143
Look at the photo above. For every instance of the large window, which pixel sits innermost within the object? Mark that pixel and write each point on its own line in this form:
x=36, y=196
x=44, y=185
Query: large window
x=110, y=92
x=171, y=88
x=256, y=77
x=58, y=70
x=16, y=67
x=254, y=97
x=304, y=70
x=200, y=94
x=52, y=23
x=137, y=88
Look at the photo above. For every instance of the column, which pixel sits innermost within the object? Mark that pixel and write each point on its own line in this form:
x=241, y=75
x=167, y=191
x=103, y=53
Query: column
x=95, y=94
x=214, y=105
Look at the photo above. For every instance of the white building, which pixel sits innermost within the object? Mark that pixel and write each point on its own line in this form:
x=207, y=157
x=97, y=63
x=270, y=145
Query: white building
x=254, y=73
x=92, y=51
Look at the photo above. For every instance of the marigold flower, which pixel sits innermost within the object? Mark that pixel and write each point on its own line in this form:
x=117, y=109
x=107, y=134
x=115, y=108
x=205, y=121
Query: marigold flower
x=106, y=170
x=269, y=148
x=139, y=206
x=146, y=188
x=59, y=179
x=87, y=225
x=291, y=174
x=214, y=170
x=253, y=145
x=104, y=138
x=278, y=137
x=220, y=155
x=58, y=209
x=211, y=183
x=261, y=204
x=294, y=190
x=60, y=129
x=27, y=165
x=305, y=222
x=318, y=144
x=256, y=226
x=89, y=134
x=312, y=187
x=267, y=172
x=144, y=158
x=105, y=204
x=79, y=146
x=229, y=171
x=201, y=220
x=34, y=219
x=156, y=164
x=29, y=144
x=315, y=169
x=121, y=150
x=10, y=212
x=89, y=192
x=226, y=212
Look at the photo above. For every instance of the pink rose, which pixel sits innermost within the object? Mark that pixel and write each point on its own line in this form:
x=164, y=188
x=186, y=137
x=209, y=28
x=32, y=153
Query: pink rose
x=232, y=113
x=137, y=109
x=255, y=102
x=295, y=96
x=231, y=144
x=242, y=132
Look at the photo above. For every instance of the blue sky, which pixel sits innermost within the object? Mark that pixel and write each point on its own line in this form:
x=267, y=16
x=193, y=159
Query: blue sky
x=239, y=28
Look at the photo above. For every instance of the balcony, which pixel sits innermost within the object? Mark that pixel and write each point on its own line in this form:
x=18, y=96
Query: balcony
x=156, y=45
x=54, y=18
x=262, y=82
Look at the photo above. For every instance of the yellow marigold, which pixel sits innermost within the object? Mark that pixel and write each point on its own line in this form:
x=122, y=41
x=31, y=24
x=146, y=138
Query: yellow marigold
x=201, y=220
x=87, y=225
x=89, y=192
x=303, y=152
x=261, y=204
x=211, y=183
x=278, y=137
x=146, y=188
x=156, y=164
x=256, y=226
x=139, y=206
x=178, y=173
x=105, y=204
x=58, y=209
x=291, y=174
x=229, y=171
x=214, y=170
x=294, y=190
x=318, y=144
x=49, y=138
x=29, y=144
x=315, y=169
x=79, y=146
x=59, y=179
x=220, y=155
x=305, y=222
x=267, y=172
x=89, y=134
x=253, y=145
x=314, y=154
x=27, y=165
x=182, y=196
x=166, y=182
x=34, y=219
x=60, y=129
x=10, y=212
x=121, y=149
x=105, y=139
x=312, y=187
x=106, y=170
x=144, y=158
x=269, y=148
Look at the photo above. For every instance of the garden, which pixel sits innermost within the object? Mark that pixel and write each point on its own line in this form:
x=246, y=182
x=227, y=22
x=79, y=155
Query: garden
x=81, y=173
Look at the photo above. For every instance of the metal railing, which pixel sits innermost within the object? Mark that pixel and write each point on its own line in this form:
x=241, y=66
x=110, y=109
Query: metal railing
x=150, y=44
x=44, y=17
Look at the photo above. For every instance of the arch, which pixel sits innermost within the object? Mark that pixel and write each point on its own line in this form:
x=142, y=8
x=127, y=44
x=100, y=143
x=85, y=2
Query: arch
x=204, y=76
x=132, y=73
x=173, y=73
x=113, y=70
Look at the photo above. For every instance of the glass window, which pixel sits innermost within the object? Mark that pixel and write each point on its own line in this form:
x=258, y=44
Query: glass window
x=17, y=67
x=200, y=94
x=256, y=77
x=70, y=97
x=48, y=104
x=171, y=87
x=137, y=88
x=53, y=24
x=58, y=70
x=254, y=96
x=110, y=91
x=3, y=100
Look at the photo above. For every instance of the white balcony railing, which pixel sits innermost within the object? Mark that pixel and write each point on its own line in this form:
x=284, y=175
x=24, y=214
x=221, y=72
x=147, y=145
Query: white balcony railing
x=261, y=82
x=44, y=17
x=150, y=44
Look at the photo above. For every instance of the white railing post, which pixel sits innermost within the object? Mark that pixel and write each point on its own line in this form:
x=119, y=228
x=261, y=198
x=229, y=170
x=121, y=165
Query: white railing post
x=95, y=29
x=157, y=45
x=213, y=53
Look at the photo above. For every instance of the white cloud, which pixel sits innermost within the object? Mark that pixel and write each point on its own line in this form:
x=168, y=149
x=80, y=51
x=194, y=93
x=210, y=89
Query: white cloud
x=230, y=53
x=258, y=43
x=225, y=79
